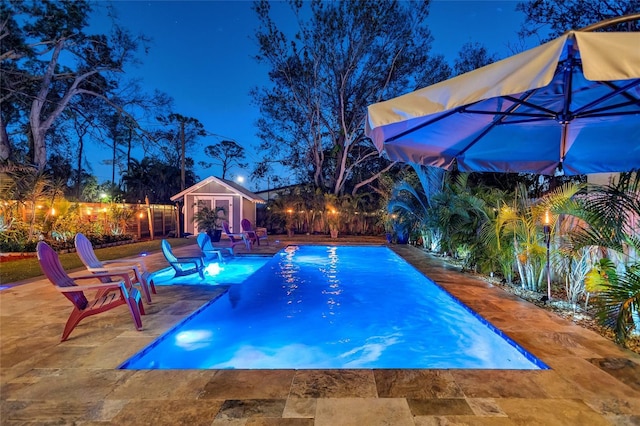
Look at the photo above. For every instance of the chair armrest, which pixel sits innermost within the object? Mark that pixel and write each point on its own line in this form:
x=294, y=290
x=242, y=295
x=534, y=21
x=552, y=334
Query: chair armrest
x=195, y=260
x=136, y=262
x=113, y=285
x=123, y=275
x=124, y=288
x=116, y=269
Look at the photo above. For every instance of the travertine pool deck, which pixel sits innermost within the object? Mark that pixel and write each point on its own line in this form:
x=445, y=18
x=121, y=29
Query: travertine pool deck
x=42, y=381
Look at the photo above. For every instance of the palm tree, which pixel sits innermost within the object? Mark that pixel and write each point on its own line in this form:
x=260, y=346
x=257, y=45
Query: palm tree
x=136, y=179
x=610, y=215
x=210, y=220
x=30, y=187
x=521, y=222
x=411, y=204
x=461, y=214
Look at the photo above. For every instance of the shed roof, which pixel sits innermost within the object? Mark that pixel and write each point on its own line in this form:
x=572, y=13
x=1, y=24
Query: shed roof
x=240, y=190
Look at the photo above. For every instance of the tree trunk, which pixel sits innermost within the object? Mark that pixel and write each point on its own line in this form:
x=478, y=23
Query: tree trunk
x=79, y=176
x=523, y=278
x=5, y=146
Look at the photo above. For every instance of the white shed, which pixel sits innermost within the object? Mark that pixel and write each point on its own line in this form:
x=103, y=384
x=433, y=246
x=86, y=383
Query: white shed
x=239, y=203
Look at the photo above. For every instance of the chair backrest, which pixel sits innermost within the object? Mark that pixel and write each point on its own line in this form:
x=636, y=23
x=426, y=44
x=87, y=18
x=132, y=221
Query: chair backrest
x=204, y=242
x=225, y=226
x=201, y=239
x=246, y=225
x=176, y=263
x=166, y=250
x=53, y=270
x=85, y=252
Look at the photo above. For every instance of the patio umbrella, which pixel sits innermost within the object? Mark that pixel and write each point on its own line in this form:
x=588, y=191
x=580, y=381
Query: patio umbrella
x=569, y=106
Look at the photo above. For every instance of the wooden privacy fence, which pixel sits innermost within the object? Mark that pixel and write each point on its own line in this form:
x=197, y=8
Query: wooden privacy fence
x=141, y=220
x=156, y=220
x=149, y=220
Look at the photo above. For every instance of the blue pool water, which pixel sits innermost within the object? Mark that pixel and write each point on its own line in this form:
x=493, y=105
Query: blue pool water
x=334, y=307
x=232, y=271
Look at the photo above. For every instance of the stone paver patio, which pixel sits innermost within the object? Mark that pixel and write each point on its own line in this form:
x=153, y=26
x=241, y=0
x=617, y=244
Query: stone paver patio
x=42, y=381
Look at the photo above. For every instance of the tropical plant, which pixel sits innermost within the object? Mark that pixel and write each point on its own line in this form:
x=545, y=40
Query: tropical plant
x=410, y=205
x=65, y=220
x=36, y=192
x=599, y=277
x=521, y=223
x=619, y=303
x=577, y=268
x=333, y=215
x=490, y=255
x=282, y=213
x=610, y=214
x=209, y=219
x=119, y=217
x=461, y=215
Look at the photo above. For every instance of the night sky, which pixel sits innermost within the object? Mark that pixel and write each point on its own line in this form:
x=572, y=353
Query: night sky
x=202, y=55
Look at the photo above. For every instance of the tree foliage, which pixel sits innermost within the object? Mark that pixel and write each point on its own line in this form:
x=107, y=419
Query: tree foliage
x=551, y=18
x=472, y=56
x=48, y=59
x=225, y=154
x=345, y=56
x=121, y=130
x=155, y=179
x=178, y=132
x=609, y=216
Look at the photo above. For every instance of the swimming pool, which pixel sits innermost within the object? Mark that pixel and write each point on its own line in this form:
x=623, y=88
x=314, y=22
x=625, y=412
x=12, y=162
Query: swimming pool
x=334, y=307
x=231, y=271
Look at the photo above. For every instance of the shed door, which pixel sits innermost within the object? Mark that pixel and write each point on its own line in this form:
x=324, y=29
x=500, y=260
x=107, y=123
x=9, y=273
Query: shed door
x=227, y=204
x=212, y=203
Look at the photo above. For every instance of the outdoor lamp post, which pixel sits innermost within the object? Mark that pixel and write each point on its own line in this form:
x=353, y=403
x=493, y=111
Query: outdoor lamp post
x=547, y=240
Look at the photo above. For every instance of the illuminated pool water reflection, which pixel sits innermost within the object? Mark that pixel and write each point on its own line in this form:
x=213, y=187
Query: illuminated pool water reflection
x=334, y=307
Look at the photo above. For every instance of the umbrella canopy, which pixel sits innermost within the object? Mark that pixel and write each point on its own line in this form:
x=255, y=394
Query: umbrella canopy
x=572, y=104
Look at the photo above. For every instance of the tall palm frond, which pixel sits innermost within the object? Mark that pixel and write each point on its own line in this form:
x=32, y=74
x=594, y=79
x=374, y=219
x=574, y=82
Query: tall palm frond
x=608, y=213
x=620, y=302
x=611, y=214
x=404, y=194
x=431, y=180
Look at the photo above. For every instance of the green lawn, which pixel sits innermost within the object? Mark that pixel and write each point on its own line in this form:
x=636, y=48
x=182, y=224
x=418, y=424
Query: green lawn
x=23, y=269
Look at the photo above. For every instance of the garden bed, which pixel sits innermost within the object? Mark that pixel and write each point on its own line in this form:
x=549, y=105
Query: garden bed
x=575, y=313
x=9, y=257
